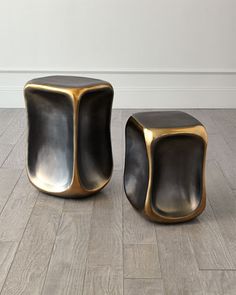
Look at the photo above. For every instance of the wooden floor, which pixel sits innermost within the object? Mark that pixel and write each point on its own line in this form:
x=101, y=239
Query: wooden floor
x=100, y=245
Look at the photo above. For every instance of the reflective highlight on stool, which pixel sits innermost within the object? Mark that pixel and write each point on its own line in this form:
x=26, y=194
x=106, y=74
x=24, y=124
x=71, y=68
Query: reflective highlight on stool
x=69, y=145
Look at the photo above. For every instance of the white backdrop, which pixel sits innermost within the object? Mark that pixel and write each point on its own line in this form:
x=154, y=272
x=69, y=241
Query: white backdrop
x=156, y=53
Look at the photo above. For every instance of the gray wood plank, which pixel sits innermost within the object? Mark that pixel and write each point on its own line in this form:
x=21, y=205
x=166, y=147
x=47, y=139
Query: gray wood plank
x=5, y=150
x=219, y=282
x=8, y=179
x=6, y=117
x=103, y=280
x=225, y=122
x=7, y=254
x=143, y=287
x=211, y=149
x=231, y=115
x=116, y=137
x=223, y=203
x=209, y=246
x=28, y=270
x=232, y=142
x=15, y=129
x=17, y=210
x=105, y=245
x=141, y=261
x=80, y=205
x=68, y=263
x=225, y=157
x=137, y=230
x=17, y=157
x=203, y=115
x=226, y=117
x=179, y=268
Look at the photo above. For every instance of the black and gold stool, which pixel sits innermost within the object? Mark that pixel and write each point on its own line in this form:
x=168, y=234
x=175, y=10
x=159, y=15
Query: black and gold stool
x=69, y=146
x=164, y=175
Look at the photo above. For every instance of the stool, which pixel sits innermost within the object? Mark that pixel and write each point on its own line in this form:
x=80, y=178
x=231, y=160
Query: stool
x=164, y=175
x=69, y=146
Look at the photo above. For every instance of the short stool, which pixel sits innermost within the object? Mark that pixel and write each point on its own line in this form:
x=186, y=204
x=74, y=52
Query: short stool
x=69, y=145
x=164, y=176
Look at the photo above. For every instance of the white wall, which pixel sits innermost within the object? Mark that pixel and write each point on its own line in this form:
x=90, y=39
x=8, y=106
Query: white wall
x=156, y=53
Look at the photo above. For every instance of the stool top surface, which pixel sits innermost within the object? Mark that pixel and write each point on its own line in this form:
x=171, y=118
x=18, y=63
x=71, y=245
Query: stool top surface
x=166, y=119
x=68, y=82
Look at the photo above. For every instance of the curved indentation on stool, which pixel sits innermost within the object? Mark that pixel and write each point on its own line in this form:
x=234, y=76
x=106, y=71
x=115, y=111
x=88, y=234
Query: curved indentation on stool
x=136, y=166
x=177, y=175
x=50, y=139
x=94, y=142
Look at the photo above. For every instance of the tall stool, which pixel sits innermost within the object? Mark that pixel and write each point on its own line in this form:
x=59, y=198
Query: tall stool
x=164, y=175
x=69, y=146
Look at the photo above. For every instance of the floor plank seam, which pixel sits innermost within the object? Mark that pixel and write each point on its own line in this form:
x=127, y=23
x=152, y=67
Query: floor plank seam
x=142, y=278
x=14, y=147
x=9, y=123
x=159, y=257
x=195, y=260
x=19, y=243
x=12, y=191
x=212, y=207
x=7, y=156
x=59, y=224
x=226, y=178
x=216, y=219
x=141, y=244
x=86, y=263
x=218, y=269
x=20, y=135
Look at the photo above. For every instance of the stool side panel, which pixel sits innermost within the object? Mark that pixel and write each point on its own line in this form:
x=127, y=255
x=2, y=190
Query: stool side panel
x=136, y=173
x=94, y=160
x=50, y=139
x=178, y=175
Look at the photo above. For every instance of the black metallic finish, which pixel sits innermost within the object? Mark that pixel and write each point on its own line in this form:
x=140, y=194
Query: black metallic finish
x=164, y=174
x=136, y=166
x=69, y=144
x=168, y=119
x=177, y=174
x=94, y=142
x=50, y=139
